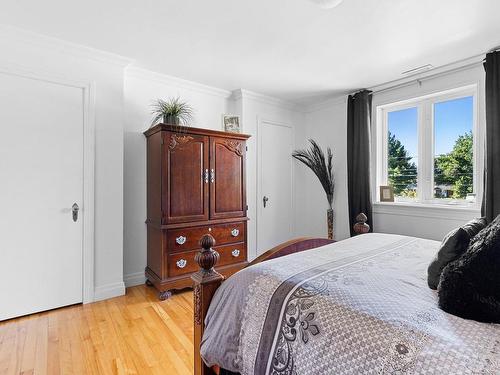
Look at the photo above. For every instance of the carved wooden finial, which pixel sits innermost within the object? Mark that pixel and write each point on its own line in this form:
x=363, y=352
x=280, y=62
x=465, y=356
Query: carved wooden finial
x=207, y=242
x=361, y=227
x=361, y=218
x=208, y=257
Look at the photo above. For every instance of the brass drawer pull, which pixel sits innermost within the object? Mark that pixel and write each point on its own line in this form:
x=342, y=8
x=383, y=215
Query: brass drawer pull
x=235, y=232
x=181, y=263
x=181, y=240
x=235, y=253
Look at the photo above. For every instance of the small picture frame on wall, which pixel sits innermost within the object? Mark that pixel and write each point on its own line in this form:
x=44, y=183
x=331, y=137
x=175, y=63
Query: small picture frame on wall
x=386, y=194
x=231, y=123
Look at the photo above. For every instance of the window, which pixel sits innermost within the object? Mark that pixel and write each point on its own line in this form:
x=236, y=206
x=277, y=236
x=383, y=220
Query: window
x=428, y=148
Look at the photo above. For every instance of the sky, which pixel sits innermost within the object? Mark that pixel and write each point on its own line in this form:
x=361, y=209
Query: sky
x=451, y=119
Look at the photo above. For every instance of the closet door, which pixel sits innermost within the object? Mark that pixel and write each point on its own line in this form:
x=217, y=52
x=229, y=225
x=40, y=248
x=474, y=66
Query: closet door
x=227, y=178
x=41, y=199
x=185, y=178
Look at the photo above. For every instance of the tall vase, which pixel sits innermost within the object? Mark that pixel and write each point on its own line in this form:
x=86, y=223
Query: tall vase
x=329, y=218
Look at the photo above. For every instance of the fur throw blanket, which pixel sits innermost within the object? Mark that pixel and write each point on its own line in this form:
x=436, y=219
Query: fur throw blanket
x=469, y=287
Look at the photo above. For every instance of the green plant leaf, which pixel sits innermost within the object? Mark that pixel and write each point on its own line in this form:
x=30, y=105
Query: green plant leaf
x=173, y=107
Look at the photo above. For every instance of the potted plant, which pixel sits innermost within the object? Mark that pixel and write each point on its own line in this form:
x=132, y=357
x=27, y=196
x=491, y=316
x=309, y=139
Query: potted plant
x=172, y=111
x=322, y=167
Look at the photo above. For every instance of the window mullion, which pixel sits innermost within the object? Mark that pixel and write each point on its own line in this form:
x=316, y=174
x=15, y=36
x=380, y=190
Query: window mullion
x=383, y=177
x=425, y=151
x=421, y=151
x=429, y=162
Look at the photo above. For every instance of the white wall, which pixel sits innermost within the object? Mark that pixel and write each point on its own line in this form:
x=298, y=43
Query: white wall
x=254, y=108
x=141, y=88
x=47, y=56
x=122, y=113
x=326, y=124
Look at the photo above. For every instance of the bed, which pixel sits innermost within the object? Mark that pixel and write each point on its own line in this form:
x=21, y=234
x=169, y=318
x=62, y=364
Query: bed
x=357, y=306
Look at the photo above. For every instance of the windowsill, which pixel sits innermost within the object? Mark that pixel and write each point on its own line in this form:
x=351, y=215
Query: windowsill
x=428, y=210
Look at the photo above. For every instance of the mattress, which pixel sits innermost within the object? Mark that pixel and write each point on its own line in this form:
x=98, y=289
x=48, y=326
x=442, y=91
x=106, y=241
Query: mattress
x=358, y=306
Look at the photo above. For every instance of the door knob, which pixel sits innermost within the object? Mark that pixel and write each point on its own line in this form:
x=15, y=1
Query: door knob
x=74, y=210
x=264, y=200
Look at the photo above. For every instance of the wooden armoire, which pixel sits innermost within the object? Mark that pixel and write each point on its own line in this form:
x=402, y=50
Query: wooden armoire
x=195, y=186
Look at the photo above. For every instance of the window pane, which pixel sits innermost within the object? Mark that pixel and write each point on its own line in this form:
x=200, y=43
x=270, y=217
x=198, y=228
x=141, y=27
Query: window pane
x=453, y=143
x=402, y=152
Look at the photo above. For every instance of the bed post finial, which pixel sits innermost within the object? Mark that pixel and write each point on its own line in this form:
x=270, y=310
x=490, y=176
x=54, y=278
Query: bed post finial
x=208, y=257
x=205, y=282
x=361, y=227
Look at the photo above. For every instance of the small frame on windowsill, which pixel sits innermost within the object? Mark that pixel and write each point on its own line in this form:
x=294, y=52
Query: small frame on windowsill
x=386, y=194
x=231, y=123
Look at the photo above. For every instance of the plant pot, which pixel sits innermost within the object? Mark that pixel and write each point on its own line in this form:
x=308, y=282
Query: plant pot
x=329, y=221
x=174, y=120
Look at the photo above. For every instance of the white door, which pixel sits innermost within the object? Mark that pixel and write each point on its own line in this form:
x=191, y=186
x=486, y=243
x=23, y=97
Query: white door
x=41, y=177
x=274, y=200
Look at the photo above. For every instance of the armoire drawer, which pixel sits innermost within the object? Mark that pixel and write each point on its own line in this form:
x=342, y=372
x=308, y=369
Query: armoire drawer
x=184, y=262
x=230, y=254
x=189, y=238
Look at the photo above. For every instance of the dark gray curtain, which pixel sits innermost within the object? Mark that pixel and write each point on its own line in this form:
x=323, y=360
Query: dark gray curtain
x=359, y=109
x=491, y=196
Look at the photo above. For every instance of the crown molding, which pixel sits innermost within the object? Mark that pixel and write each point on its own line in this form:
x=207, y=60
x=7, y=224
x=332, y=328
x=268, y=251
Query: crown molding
x=325, y=103
x=20, y=36
x=439, y=71
x=148, y=75
x=271, y=100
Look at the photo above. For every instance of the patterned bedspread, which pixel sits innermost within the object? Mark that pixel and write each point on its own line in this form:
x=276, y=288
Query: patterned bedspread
x=359, y=306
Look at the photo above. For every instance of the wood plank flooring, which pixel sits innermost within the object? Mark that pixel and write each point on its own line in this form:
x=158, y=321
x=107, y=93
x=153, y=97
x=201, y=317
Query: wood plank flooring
x=132, y=334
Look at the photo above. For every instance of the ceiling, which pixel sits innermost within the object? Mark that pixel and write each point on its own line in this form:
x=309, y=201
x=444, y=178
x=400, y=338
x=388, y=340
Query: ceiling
x=286, y=48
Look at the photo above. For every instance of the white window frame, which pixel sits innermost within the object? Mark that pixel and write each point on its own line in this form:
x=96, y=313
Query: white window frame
x=425, y=133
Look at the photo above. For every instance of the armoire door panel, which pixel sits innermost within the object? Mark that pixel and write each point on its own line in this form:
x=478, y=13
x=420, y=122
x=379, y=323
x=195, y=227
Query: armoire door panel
x=186, y=180
x=227, y=192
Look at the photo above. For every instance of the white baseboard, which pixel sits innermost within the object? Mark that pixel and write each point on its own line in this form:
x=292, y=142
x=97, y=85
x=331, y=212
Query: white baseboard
x=133, y=279
x=109, y=291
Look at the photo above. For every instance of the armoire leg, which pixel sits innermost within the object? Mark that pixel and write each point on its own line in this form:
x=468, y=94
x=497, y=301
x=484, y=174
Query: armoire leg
x=166, y=294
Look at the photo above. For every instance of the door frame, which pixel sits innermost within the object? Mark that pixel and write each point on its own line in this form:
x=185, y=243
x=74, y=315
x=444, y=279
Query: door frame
x=260, y=123
x=88, y=209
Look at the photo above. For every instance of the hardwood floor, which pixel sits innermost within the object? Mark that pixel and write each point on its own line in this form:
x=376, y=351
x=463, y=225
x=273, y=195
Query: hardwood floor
x=132, y=334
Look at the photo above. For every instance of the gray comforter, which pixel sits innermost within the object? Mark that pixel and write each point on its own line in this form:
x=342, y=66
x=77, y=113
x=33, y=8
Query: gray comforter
x=359, y=306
